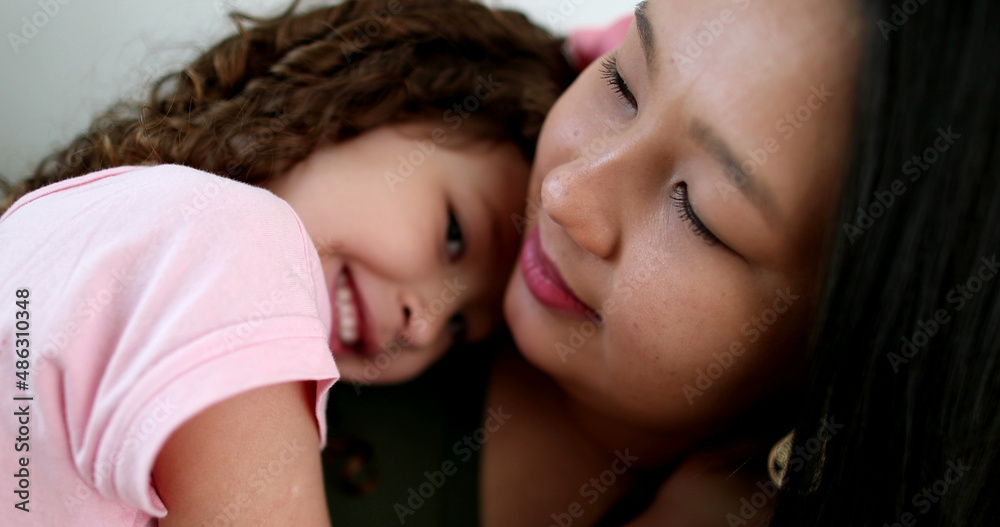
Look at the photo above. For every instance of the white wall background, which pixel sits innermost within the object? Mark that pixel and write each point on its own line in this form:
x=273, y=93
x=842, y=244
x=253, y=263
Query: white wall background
x=64, y=61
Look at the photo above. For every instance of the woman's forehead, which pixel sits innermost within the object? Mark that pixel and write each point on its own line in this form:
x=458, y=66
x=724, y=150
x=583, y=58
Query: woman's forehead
x=753, y=41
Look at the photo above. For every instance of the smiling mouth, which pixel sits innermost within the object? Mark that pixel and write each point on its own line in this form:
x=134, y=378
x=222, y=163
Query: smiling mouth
x=349, y=320
x=545, y=282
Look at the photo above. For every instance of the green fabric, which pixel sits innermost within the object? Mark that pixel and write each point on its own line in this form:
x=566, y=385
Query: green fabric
x=416, y=439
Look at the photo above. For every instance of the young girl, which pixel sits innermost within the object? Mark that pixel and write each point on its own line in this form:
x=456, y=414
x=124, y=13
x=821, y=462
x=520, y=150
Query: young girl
x=167, y=330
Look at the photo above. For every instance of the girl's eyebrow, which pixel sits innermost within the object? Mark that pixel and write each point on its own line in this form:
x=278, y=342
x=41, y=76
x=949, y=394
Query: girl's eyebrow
x=646, y=36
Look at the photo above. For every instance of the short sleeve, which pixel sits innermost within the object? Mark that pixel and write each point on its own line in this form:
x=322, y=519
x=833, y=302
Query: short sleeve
x=188, y=289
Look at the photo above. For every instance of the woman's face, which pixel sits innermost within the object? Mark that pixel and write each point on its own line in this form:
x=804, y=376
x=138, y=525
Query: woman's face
x=678, y=206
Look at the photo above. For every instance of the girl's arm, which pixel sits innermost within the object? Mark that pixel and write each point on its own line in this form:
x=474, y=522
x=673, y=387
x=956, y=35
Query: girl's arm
x=250, y=460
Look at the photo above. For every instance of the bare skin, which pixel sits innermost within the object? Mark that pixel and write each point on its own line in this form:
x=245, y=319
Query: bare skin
x=210, y=467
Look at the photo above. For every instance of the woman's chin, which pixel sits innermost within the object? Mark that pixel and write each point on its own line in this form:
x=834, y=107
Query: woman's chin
x=523, y=320
x=539, y=333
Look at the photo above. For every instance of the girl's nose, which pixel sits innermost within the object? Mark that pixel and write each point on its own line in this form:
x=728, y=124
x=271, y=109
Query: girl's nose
x=425, y=322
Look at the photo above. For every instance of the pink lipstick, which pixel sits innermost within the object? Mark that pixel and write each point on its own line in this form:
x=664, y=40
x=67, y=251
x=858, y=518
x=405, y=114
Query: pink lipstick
x=546, y=283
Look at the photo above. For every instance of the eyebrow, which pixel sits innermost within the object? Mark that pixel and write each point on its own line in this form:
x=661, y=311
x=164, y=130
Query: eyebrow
x=704, y=135
x=646, y=36
x=750, y=186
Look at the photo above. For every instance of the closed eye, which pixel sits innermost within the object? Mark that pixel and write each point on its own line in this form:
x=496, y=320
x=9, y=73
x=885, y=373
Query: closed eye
x=617, y=82
x=688, y=215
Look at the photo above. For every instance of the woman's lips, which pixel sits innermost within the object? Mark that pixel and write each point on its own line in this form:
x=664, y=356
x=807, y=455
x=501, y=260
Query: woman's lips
x=545, y=282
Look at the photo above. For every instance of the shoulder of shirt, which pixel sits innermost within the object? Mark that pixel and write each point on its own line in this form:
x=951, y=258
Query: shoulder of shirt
x=177, y=199
x=163, y=189
x=197, y=188
x=172, y=201
x=196, y=197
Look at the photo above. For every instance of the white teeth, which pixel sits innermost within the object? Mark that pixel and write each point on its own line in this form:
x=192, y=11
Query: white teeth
x=343, y=293
x=347, y=313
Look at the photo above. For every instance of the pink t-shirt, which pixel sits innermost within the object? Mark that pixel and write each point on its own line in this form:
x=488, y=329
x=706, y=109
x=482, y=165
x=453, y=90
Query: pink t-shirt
x=150, y=294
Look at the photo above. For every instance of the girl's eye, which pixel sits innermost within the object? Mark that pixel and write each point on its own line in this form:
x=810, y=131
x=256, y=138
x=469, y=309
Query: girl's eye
x=617, y=83
x=454, y=243
x=458, y=327
x=680, y=197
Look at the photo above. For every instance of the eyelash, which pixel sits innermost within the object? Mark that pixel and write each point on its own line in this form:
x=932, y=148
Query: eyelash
x=680, y=197
x=617, y=82
x=680, y=194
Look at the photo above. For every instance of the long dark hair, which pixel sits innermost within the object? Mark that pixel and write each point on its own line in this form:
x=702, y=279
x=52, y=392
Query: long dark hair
x=263, y=99
x=907, y=354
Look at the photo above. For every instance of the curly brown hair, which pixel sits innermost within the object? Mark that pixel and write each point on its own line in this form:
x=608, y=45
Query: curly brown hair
x=264, y=99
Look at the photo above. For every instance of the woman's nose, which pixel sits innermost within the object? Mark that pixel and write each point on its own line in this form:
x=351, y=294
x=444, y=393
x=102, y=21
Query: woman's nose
x=581, y=196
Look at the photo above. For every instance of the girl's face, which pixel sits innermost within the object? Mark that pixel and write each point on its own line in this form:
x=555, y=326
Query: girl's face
x=415, y=238
x=677, y=209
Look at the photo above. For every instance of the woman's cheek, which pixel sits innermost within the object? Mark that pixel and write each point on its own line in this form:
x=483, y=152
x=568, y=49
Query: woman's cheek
x=757, y=359
x=581, y=116
x=671, y=335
